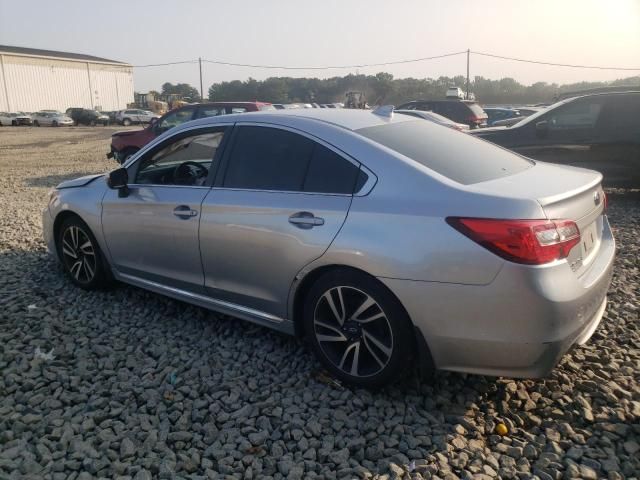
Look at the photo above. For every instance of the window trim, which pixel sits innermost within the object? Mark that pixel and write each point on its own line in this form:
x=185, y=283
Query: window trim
x=150, y=149
x=224, y=164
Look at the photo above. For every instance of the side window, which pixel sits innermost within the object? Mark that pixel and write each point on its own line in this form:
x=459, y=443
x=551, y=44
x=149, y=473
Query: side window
x=184, y=161
x=268, y=159
x=578, y=114
x=238, y=110
x=330, y=173
x=174, y=119
x=620, y=115
x=205, y=112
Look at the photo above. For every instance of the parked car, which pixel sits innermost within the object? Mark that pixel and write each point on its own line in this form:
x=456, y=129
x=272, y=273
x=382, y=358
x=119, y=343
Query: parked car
x=14, y=119
x=455, y=92
x=135, y=116
x=388, y=242
x=495, y=114
x=51, y=118
x=112, y=115
x=85, y=116
x=460, y=111
x=124, y=144
x=435, y=118
x=601, y=132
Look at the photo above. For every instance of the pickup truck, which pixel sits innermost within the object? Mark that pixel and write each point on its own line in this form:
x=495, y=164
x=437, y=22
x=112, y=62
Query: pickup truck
x=126, y=143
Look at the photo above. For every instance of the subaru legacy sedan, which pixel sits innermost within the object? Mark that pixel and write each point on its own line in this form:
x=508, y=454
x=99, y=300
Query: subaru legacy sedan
x=386, y=241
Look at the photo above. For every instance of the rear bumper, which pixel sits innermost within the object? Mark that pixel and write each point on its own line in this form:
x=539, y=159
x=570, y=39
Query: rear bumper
x=520, y=324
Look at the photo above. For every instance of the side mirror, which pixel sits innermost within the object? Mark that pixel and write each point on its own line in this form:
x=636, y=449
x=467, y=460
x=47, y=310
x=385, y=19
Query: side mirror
x=118, y=180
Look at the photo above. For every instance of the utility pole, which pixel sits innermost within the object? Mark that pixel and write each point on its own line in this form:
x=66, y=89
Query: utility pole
x=202, y=96
x=468, y=53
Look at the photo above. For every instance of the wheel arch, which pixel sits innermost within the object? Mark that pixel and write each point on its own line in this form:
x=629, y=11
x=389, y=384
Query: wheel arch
x=57, y=224
x=420, y=346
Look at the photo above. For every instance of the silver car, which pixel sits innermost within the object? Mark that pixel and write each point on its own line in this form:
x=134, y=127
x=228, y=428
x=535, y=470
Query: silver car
x=52, y=118
x=387, y=241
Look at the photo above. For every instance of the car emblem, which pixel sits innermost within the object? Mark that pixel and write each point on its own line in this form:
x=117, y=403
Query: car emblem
x=596, y=198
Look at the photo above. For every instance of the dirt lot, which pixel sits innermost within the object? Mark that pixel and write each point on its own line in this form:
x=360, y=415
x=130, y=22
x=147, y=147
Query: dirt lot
x=142, y=386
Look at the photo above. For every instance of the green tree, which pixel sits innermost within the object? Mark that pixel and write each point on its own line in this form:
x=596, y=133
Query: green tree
x=184, y=90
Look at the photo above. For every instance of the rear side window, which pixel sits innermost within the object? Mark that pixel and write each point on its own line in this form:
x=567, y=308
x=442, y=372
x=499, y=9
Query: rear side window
x=460, y=157
x=266, y=158
x=210, y=112
x=582, y=113
x=330, y=173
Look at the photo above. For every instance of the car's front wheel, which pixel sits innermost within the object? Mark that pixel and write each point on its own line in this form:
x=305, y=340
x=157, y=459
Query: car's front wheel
x=81, y=256
x=126, y=122
x=358, y=329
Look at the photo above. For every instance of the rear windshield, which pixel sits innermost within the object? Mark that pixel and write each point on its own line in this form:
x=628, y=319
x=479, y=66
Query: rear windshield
x=456, y=155
x=266, y=107
x=477, y=110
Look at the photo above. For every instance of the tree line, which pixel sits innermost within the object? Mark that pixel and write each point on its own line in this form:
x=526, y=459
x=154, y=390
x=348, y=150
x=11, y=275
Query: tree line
x=382, y=88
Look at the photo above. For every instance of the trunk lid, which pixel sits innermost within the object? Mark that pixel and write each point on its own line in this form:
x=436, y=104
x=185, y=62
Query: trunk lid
x=564, y=193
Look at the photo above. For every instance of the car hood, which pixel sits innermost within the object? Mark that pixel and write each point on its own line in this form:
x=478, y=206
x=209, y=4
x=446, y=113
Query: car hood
x=79, y=182
x=126, y=133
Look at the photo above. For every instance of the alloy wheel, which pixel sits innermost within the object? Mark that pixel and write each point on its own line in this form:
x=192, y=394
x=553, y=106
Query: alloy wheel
x=353, y=331
x=79, y=254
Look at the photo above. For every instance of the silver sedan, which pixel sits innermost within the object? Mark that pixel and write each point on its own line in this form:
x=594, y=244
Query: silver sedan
x=387, y=241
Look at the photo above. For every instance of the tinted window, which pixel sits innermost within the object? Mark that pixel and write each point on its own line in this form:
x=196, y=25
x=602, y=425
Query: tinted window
x=210, y=112
x=620, y=115
x=330, y=173
x=167, y=166
x=268, y=159
x=238, y=110
x=461, y=158
x=579, y=114
x=174, y=119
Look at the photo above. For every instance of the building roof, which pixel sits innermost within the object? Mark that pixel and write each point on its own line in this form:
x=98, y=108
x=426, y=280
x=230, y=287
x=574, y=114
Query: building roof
x=36, y=52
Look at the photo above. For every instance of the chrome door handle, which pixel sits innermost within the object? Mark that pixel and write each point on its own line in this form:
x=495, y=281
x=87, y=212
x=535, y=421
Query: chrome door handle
x=305, y=220
x=184, y=212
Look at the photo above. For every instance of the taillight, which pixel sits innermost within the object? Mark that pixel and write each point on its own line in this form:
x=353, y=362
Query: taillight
x=475, y=119
x=532, y=242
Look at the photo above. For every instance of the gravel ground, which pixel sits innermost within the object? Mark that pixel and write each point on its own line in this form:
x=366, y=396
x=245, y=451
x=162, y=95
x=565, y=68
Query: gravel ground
x=140, y=386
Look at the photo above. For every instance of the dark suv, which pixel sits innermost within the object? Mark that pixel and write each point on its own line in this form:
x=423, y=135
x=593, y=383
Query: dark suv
x=126, y=143
x=85, y=116
x=460, y=111
x=600, y=132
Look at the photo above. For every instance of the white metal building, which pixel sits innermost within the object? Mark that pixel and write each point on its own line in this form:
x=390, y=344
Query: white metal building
x=33, y=79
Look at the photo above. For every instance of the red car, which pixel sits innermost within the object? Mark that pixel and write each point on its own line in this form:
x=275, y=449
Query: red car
x=124, y=144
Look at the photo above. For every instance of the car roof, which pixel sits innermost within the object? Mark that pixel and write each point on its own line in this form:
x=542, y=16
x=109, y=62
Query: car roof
x=344, y=118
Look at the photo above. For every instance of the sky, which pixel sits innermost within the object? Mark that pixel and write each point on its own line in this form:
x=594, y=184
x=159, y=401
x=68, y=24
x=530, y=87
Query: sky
x=335, y=32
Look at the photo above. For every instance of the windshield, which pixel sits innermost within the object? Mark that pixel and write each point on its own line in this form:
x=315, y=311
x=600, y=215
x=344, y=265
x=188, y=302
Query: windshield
x=459, y=157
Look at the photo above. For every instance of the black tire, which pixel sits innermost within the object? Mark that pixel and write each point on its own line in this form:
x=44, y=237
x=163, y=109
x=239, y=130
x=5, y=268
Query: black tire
x=14, y=123
x=36, y=123
x=92, y=123
x=54, y=124
x=380, y=343
x=126, y=122
x=93, y=271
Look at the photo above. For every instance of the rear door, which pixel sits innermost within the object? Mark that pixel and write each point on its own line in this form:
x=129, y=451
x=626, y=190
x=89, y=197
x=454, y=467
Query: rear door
x=278, y=205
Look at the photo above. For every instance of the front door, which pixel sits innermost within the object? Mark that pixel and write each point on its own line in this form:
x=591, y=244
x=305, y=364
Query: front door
x=152, y=233
x=279, y=204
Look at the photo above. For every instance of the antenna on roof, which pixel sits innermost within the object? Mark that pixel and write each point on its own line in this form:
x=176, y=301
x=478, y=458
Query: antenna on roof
x=384, y=111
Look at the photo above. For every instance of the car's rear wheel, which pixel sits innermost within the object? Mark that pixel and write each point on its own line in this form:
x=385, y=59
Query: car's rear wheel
x=54, y=124
x=126, y=122
x=81, y=256
x=92, y=123
x=36, y=123
x=358, y=329
x=14, y=123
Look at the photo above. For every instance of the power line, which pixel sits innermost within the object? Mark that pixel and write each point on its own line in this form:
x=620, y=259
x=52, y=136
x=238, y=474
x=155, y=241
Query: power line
x=336, y=67
x=161, y=64
x=551, y=63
